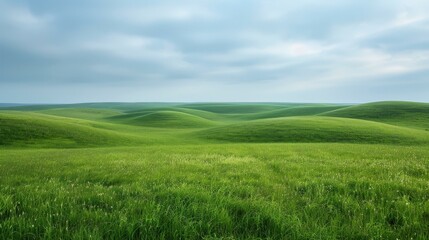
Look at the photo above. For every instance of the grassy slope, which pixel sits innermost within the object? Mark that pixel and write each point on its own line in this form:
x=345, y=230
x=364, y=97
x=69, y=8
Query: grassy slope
x=103, y=105
x=238, y=108
x=314, y=129
x=167, y=188
x=164, y=119
x=249, y=191
x=18, y=128
x=292, y=111
x=200, y=113
x=82, y=113
x=228, y=113
x=410, y=114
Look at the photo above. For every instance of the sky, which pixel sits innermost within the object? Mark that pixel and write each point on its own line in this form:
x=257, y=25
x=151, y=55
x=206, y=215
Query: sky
x=214, y=51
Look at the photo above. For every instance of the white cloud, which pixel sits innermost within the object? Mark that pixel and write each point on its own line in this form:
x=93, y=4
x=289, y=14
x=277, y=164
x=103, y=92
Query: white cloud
x=160, y=13
x=406, y=18
x=281, y=51
x=22, y=18
x=136, y=47
x=291, y=47
x=24, y=29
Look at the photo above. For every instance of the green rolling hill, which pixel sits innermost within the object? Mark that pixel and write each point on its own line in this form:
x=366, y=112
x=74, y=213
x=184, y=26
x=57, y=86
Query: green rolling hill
x=82, y=113
x=196, y=112
x=229, y=122
x=23, y=128
x=164, y=119
x=314, y=129
x=410, y=114
x=236, y=108
x=102, y=105
x=292, y=111
x=214, y=171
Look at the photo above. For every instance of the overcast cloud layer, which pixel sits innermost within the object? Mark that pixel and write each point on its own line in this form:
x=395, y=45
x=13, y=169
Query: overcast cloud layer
x=289, y=51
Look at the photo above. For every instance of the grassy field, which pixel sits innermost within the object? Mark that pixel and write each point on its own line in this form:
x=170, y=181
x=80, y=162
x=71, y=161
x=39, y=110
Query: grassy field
x=215, y=171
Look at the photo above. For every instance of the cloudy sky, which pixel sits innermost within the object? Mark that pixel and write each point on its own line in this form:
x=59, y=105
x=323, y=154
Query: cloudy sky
x=246, y=50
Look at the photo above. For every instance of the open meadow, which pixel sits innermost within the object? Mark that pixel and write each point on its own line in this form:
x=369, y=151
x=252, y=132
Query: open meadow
x=215, y=171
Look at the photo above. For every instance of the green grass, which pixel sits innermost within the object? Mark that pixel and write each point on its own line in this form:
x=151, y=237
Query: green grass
x=314, y=129
x=211, y=171
x=82, y=113
x=103, y=105
x=277, y=191
x=410, y=114
x=230, y=108
x=199, y=113
x=165, y=119
x=48, y=131
x=291, y=111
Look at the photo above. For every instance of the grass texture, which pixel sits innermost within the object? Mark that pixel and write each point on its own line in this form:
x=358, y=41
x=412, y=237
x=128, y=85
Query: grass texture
x=214, y=171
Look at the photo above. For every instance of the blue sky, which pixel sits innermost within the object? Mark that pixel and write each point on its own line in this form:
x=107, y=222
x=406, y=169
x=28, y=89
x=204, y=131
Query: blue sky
x=285, y=51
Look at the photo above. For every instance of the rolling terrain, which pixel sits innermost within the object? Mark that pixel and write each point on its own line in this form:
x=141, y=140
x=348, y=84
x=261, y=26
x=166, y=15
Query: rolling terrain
x=214, y=171
x=165, y=119
x=19, y=128
x=315, y=129
x=409, y=114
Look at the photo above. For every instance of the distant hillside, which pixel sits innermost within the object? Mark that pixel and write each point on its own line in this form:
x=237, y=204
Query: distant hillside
x=105, y=105
x=236, y=108
x=410, y=114
x=164, y=119
x=196, y=112
x=18, y=128
x=82, y=113
x=293, y=111
x=314, y=129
